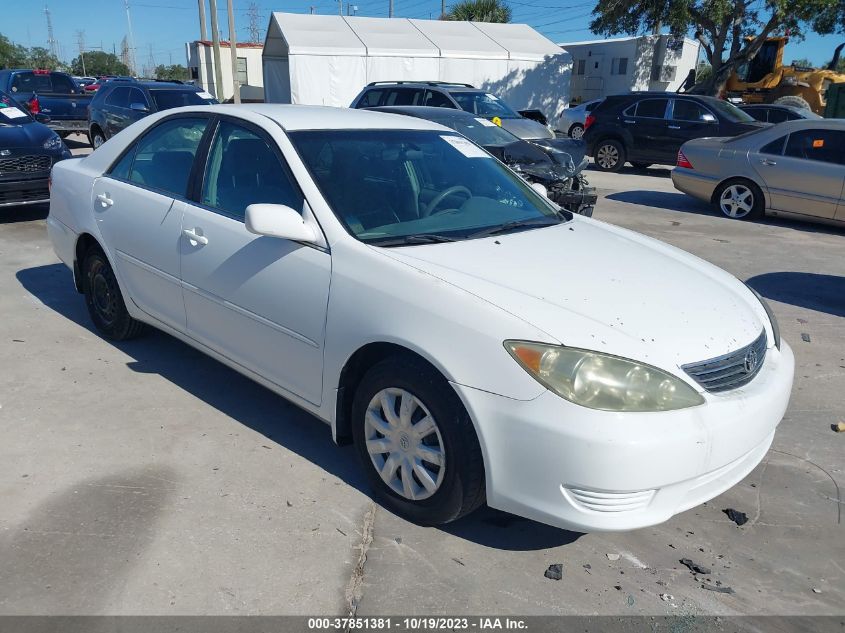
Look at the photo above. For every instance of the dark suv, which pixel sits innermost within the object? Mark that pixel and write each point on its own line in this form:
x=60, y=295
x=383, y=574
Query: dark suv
x=121, y=102
x=440, y=94
x=649, y=127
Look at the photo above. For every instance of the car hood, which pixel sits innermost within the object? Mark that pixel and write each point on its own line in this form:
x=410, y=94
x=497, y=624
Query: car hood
x=593, y=286
x=526, y=128
x=27, y=135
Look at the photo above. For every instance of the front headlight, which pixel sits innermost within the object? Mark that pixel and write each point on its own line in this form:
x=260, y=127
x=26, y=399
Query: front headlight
x=772, y=319
x=601, y=381
x=53, y=144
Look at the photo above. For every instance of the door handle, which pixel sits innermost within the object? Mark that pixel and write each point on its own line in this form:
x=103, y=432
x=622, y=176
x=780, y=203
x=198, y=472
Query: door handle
x=766, y=161
x=104, y=200
x=674, y=127
x=628, y=121
x=194, y=237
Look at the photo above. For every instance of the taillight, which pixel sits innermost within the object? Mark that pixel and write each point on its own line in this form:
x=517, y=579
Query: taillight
x=33, y=105
x=589, y=121
x=683, y=161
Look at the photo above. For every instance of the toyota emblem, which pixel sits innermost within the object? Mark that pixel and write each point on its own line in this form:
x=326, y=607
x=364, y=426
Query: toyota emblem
x=751, y=361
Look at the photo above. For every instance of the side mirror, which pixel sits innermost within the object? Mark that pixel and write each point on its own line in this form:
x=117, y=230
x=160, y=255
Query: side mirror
x=278, y=220
x=42, y=118
x=708, y=118
x=138, y=107
x=536, y=186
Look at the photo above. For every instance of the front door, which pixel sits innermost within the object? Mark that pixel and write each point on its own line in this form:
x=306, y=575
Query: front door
x=808, y=176
x=260, y=301
x=688, y=120
x=138, y=205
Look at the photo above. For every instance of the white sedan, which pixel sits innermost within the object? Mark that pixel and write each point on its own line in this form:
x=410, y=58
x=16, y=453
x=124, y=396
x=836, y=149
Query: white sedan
x=402, y=285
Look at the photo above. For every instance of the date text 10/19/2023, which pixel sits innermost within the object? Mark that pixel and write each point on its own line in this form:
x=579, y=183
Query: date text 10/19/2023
x=431, y=623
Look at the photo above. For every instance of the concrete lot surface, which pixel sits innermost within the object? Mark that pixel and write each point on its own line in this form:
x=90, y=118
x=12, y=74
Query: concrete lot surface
x=146, y=478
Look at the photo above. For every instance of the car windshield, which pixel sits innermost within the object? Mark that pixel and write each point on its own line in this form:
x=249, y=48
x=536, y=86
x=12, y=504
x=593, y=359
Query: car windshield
x=166, y=99
x=479, y=131
x=386, y=185
x=484, y=104
x=729, y=111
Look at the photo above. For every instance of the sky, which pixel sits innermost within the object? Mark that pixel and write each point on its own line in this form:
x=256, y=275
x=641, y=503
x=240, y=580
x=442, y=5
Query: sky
x=162, y=27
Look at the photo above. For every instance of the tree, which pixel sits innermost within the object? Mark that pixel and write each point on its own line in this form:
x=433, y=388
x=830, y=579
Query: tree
x=12, y=55
x=480, y=11
x=39, y=57
x=176, y=71
x=731, y=32
x=99, y=63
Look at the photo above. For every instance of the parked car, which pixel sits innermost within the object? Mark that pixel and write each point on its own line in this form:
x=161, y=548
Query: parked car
x=556, y=164
x=51, y=93
x=28, y=150
x=571, y=120
x=84, y=81
x=770, y=113
x=119, y=103
x=440, y=94
x=649, y=127
x=393, y=279
x=796, y=168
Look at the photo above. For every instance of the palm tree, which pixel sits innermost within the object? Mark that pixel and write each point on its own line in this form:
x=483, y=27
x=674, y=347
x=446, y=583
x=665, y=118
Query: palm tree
x=480, y=11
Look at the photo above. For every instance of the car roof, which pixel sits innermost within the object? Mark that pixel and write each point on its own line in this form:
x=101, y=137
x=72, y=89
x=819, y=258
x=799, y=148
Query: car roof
x=442, y=85
x=427, y=112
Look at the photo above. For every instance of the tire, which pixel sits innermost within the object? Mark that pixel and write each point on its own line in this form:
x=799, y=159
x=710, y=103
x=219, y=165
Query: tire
x=576, y=131
x=641, y=165
x=96, y=137
x=63, y=135
x=609, y=155
x=793, y=101
x=456, y=486
x=104, y=300
x=732, y=200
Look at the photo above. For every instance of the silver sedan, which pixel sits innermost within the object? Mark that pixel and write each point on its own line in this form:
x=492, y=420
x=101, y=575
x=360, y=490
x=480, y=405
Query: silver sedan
x=793, y=169
x=571, y=120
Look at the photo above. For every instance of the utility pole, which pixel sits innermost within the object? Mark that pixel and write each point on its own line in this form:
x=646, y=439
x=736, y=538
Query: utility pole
x=312, y=8
x=390, y=9
x=151, y=62
x=340, y=7
x=80, y=40
x=254, y=23
x=442, y=8
x=51, y=38
x=233, y=46
x=131, y=42
x=215, y=45
x=203, y=32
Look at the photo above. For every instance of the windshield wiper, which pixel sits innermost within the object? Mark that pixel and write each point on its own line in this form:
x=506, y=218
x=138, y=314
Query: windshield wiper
x=422, y=238
x=512, y=225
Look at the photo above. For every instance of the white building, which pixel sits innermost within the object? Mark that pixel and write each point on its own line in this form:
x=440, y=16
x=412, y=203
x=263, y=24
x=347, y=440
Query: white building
x=626, y=64
x=328, y=59
x=250, y=77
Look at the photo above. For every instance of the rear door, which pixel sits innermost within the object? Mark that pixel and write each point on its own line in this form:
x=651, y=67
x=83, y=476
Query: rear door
x=646, y=122
x=808, y=173
x=688, y=120
x=138, y=205
x=116, y=110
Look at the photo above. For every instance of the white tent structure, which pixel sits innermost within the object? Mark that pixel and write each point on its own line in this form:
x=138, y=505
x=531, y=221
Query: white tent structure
x=328, y=59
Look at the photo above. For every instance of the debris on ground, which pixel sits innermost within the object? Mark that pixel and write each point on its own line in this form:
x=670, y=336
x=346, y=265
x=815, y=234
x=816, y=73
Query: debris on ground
x=694, y=567
x=839, y=427
x=459, y=561
x=612, y=556
x=341, y=531
x=718, y=589
x=740, y=518
x=816, y=590
x=667, y=597
x=554, y=572
x=617, y=587
x=805, y=337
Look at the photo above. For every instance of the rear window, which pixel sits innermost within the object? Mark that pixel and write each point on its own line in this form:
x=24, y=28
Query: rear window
x=175, y=98
x=43, y=82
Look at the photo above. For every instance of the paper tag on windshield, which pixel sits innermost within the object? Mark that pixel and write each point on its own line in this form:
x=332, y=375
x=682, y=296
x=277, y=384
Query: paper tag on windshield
x=465, y=147
x=12, y=113
x=205, y=95
x=486, y=123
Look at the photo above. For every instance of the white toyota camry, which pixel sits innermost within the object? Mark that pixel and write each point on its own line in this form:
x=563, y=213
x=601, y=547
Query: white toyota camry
x=475, y=342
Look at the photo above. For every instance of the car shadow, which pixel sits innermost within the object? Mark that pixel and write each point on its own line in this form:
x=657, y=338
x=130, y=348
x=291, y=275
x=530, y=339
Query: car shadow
x=822, y=293
x=24, y=213
x=77, y=141
x=248, y=403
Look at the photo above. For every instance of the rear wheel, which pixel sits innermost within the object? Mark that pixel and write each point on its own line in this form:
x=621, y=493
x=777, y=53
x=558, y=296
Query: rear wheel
x=576, y=131
x=740, y=200
x=610, y=155
x=104, y=299
x=416, y=442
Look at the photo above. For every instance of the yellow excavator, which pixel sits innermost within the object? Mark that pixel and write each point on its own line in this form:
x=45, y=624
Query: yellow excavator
x=765, y=79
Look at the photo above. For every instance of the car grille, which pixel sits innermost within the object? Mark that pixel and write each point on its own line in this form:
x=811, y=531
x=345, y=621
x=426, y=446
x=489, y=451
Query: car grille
x=730, y=371
x=25, y=164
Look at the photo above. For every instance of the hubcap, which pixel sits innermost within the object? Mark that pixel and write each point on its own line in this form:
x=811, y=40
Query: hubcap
x=736, y=201
x=607, y=156
x=98, y=140
x=404, y=444
x=577, y=132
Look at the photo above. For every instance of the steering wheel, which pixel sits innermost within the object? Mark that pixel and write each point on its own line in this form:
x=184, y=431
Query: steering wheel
x=429, y=210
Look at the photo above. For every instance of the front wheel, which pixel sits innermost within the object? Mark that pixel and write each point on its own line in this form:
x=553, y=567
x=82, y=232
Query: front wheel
x=610, y=155
x=104, y=299
x=416, y=442
x=740, y=200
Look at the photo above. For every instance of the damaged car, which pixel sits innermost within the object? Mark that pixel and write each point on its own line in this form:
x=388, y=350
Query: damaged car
x=556, y=164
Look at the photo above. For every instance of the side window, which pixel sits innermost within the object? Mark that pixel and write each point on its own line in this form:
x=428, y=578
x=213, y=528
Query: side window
x=684, y=110
x=32, y=82
x=652, y=108
x=404, y=97
x=437, y=100
x=118, y=98
x=242, y=170
x=592, y=106
x=137, y=96
x=122, y=167
x=63, y=84
x=775, y=147
x=778, y=116
x=821, y=145
x=581, y=67
x=371, y=99
x=165, y=155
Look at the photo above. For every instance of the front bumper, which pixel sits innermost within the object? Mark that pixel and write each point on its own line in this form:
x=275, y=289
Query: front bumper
x=694, y=184
x=585, y=470
x=581, y=201
x=29, y=190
